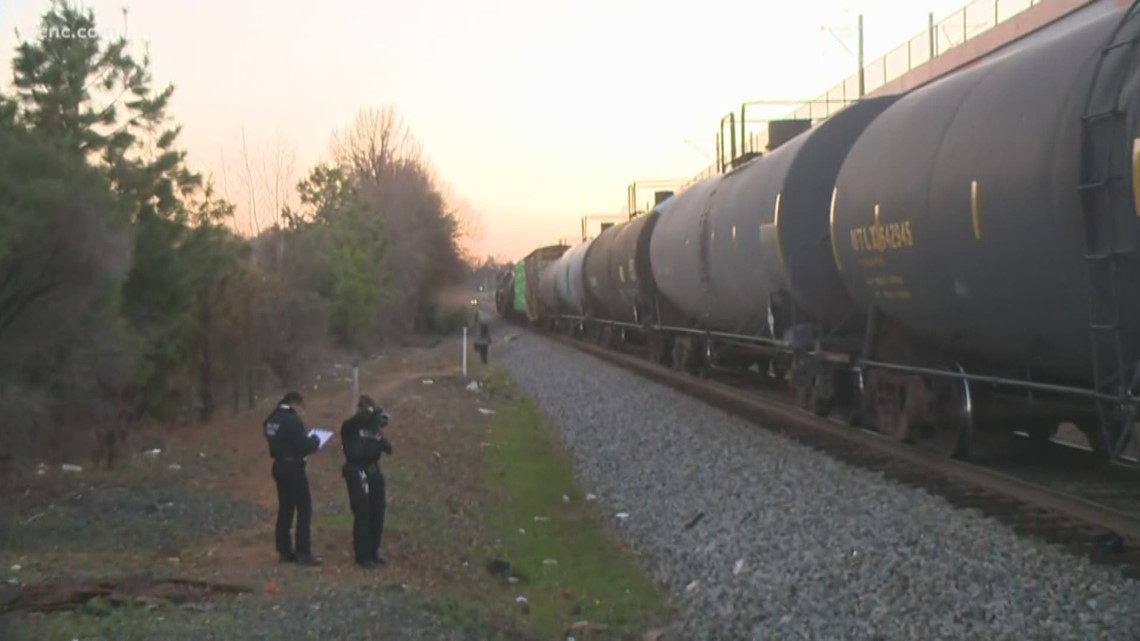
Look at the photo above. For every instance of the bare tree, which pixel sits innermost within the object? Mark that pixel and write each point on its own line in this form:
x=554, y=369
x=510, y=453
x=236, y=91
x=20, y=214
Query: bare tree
x=469, y=223
x=279, y=177
x=264, y=180
x=247, y=180
x=401, y=192
x=378, y=140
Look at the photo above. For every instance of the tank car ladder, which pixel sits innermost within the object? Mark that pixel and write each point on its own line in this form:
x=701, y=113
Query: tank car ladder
x=1106, y=204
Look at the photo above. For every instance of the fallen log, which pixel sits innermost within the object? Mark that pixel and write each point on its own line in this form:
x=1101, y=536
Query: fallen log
x=68, y=594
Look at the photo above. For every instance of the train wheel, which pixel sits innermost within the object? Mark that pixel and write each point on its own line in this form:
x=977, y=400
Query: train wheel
x=686, y=357
x=678, y=354
x=659, y=348
x=813, y=382
x=949, y=433
x=778, y=370
x=706, y=365
x=931, y=412
x=811, y=397
x=698, y=364
x=848, y=396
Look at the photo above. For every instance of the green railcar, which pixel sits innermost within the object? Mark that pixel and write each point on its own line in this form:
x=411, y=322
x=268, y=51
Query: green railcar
x=520, y=287
x=526, y=275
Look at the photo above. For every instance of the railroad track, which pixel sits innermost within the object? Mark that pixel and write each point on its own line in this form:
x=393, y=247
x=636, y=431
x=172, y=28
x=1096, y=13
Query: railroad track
x=1095, y=529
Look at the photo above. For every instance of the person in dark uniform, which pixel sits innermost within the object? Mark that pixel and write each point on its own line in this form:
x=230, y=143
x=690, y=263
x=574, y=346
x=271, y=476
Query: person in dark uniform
x=288, y=446
x=363, y=444
x=483, y=342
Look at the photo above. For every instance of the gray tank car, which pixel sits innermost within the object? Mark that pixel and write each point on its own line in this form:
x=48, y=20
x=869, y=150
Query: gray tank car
x=569, y=279
x=601, y=287
x=960, y=215
x=618, y=284
x=619, y=280
x=731, y=244
x=548, y=301
x=958, y=212
x=748, y=253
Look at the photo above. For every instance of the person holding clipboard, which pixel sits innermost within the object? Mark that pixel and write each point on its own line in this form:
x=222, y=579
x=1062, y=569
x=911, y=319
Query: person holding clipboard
x=289, y=446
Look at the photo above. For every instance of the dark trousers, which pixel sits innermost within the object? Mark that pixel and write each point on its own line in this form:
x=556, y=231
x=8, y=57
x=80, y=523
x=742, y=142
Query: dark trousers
x=368, y=509
x=293, y=498
x=482, y=349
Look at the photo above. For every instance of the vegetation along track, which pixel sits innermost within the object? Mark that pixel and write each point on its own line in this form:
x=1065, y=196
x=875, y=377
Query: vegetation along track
x=1092, y=528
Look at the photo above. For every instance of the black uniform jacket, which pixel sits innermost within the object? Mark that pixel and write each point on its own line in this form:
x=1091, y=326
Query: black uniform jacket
x=287, y=436
x=363, y=441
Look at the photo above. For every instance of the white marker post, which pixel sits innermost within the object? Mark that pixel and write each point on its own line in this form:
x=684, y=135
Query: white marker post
x=355, y=384
x=464, y=351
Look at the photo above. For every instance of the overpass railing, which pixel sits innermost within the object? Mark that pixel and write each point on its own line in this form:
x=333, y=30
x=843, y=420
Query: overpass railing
x=939, y=37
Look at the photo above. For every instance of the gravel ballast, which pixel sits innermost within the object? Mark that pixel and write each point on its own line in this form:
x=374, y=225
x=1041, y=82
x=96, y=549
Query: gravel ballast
x=793, y=544
x=126, y=518
x=347, y=612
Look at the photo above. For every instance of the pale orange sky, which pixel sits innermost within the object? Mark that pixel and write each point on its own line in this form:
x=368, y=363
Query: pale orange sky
x=533, y=113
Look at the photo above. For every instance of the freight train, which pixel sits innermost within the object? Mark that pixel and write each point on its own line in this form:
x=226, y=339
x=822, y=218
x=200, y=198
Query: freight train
x=955, y=261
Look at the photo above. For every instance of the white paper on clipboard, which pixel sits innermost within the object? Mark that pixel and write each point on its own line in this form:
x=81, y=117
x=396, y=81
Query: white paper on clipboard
x=323, y=435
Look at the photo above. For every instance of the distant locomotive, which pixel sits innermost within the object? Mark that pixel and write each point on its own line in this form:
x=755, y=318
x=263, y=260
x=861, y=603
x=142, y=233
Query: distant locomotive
x=957, y=260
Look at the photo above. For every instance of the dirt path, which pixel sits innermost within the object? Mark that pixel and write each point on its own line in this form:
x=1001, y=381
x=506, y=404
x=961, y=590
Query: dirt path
x=418, y=416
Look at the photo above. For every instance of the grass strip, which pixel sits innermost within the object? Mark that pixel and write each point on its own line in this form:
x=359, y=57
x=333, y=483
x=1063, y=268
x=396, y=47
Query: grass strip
x=572, y=566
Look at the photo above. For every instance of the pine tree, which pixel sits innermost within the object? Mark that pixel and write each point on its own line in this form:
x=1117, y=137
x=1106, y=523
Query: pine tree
x=95, y=100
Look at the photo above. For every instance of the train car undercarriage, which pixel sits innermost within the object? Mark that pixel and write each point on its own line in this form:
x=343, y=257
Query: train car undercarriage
x=886, y=381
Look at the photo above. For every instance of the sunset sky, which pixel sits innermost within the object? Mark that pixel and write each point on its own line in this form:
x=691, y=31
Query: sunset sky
x=533, y=113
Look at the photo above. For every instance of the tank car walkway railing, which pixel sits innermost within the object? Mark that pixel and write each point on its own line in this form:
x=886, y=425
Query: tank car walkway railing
x=937, y=39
